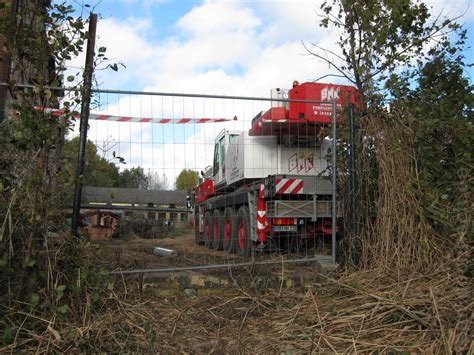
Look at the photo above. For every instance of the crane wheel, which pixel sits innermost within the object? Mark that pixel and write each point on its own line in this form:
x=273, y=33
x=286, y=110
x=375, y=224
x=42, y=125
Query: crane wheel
x=217, y=226
x=197, y=235
x=243, y=243
x=229, y=230
x=207, y=229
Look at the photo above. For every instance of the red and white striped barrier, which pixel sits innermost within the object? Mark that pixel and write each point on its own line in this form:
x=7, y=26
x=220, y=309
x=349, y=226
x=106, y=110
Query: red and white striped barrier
x=98, y=117
x=262, y=225
x=289, y=186
x=114, y=118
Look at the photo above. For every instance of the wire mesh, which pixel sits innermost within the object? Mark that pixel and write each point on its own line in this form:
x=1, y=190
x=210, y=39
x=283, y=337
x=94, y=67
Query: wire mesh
x=153, y=139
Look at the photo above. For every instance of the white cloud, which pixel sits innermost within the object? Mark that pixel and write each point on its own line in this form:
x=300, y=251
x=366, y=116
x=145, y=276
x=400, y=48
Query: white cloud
x=219, y=47
x=123, y=41
x=453, y=9
x=218, y=36
x=291, y=20
x=124, y=44
x=216, y=16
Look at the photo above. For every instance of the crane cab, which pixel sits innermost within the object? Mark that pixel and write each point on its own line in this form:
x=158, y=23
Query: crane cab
x=222, y=142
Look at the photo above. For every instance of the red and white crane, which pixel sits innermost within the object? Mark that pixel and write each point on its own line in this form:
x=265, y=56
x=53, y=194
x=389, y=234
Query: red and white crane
x=272, y=181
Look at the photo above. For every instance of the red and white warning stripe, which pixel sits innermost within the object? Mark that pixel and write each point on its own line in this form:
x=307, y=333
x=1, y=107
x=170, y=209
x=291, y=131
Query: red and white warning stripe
x=183, y=120
x=261, y=212
x=289, y=186
x=262, y=225
x=102, y=117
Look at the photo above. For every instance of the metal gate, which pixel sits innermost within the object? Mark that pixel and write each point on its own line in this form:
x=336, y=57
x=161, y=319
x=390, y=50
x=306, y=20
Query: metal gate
x=165, y=139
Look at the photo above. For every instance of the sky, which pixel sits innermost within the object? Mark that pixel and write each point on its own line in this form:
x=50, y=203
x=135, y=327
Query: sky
x=205, y=47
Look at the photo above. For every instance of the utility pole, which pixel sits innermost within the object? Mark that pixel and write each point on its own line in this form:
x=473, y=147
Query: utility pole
x=84, y=122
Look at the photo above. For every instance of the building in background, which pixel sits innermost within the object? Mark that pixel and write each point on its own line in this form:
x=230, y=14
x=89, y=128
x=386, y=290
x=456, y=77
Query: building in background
x=166, y=207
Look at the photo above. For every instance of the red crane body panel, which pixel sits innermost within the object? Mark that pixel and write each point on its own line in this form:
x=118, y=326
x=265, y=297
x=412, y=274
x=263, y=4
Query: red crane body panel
x=319, y=112
x=204, y=190
x=304, y=118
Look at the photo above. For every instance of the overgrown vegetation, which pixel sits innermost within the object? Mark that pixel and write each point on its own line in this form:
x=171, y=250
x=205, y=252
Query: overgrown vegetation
x=415, y=130
x=46, y=275
x=414, y=161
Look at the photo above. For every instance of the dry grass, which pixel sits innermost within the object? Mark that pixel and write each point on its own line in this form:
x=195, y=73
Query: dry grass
x=358, y=312
x=393, y=230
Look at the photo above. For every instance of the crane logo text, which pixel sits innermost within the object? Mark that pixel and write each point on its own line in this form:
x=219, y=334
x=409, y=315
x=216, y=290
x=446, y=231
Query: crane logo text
x=328, y=93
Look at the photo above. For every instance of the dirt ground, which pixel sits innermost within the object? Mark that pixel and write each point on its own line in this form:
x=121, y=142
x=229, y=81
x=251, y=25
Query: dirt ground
x=357, y=312
x=394, y=311
x=137, y=253
x=407, y=311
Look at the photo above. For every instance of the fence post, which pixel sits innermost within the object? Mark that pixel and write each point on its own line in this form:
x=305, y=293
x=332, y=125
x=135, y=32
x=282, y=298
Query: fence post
x=353, y=182
x=85, y=110
x=334, y=178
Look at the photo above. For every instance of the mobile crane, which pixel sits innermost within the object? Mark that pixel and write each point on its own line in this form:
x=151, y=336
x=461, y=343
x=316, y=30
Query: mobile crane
x=272, y=181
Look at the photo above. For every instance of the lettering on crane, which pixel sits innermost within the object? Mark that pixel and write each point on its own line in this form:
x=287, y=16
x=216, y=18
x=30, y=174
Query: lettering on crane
x=303, y=160
x=235, y=172
x=328, y=93
x=235, y=153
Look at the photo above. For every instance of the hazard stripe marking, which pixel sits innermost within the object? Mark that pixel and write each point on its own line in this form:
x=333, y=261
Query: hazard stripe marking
x=293, y=185
x=100, y=117
x=114, y=118
x=286, y=185
x=298, y=188
x=289, y=186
